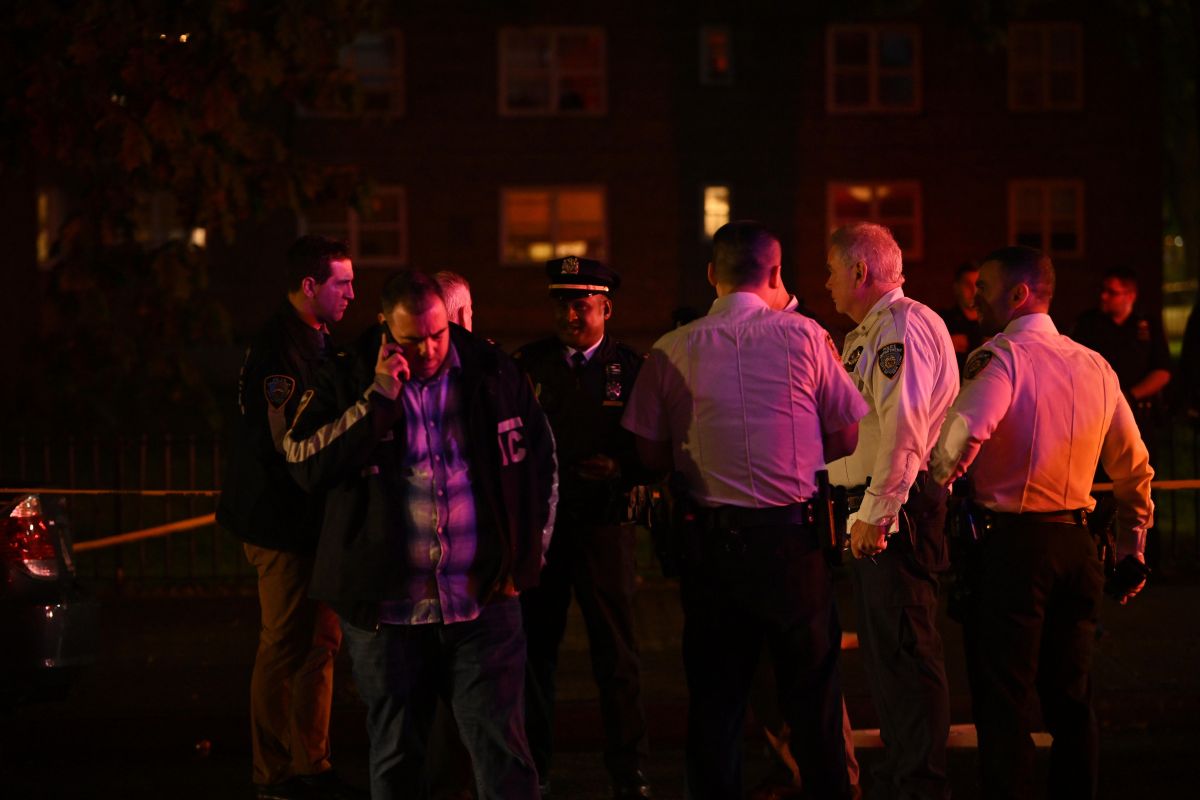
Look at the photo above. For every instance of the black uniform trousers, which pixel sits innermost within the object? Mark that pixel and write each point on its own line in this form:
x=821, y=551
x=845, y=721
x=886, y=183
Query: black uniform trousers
x=743, y=588
x=597, y=563
x=896, y=595
x=1028, y=633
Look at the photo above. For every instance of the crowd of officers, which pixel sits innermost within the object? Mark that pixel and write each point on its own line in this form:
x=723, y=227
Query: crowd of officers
x=434, y=504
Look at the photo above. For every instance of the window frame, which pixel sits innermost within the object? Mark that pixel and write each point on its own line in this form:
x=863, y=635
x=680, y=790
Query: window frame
x=399, y=82
x=554, y=190
x=355, y=226
x=1045, y=29
x=873, y=105
x=1046, y=185
x=555, y=77
x=917, y=251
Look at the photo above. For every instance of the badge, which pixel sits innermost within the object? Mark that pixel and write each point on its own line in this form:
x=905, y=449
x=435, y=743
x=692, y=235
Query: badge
x=612, y=384
x=891, y=358
x=570, y=265
x=852, y=361
x=1143, y=330
x=976, y=363
x=278, y=389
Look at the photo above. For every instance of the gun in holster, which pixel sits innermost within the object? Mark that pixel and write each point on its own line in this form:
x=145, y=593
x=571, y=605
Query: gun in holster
x=831, y=510
x=964, y=531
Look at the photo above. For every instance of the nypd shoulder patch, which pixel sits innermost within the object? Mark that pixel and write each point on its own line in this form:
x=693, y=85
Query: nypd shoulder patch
x=852, y=362
x=976, y=363
x=278, y=389
x=891, y=358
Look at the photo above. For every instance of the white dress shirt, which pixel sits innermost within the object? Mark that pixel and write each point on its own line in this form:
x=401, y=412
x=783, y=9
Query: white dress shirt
x=744, y=395
x=902, y=360
x=1036, y=413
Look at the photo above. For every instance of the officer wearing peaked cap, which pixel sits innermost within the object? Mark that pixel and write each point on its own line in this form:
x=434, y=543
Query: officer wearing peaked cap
x=582, y=378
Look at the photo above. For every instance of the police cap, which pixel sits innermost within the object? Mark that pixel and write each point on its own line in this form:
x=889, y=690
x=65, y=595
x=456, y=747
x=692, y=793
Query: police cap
x=578, y=277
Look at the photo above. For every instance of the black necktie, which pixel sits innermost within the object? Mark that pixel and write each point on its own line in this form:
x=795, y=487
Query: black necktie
x=578, y=359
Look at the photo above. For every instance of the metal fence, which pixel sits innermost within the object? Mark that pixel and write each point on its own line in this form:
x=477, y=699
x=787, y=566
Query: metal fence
x=146, y=480
x=140, y=475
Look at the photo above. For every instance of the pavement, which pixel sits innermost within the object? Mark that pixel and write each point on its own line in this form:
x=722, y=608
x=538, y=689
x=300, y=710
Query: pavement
x=163, y=712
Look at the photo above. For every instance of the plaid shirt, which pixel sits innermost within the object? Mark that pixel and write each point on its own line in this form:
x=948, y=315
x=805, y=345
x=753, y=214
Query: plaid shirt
x=440, y=507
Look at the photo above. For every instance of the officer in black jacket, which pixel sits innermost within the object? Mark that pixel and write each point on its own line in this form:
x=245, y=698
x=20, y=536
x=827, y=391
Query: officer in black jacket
x=582, y=378
x=292, y=683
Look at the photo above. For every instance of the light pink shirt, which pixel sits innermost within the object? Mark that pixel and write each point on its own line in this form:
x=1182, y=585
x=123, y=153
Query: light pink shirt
x=743, y=395
x=1037, y=411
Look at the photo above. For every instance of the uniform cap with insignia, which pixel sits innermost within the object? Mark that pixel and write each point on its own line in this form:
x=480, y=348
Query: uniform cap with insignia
x=579, y=277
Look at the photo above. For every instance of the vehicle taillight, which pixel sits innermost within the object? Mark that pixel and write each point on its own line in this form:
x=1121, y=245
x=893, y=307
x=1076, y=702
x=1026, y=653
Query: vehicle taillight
x=26, y=540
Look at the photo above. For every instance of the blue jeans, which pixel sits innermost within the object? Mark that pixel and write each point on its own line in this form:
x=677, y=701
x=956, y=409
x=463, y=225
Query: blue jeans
x=479, y=666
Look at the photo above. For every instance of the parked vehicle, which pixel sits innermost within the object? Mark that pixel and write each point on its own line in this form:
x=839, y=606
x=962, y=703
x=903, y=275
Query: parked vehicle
x=48, y=622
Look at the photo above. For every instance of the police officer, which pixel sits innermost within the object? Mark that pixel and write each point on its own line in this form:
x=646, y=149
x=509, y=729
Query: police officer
x=582, y=378
x=902, y=360
x=1036, y=413
x=292, y=684
x=747, y=404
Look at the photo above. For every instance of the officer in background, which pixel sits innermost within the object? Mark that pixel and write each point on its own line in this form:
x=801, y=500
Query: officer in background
x=747, y=404
x=292, y=684
x=582, y=378
x=962, y=319
x=1036, y=413
x=901, y=358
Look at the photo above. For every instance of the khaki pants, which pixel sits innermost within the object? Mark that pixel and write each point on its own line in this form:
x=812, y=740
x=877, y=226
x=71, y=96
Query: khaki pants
x=292, y=684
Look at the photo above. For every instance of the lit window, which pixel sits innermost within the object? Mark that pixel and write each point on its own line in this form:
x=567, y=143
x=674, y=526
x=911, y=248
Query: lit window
x=378, y=236
x=896, y=205
x=50, y=213
x=538, y=224
x=1047, y=215
x=716, y=209
x=1045, y=67
x=873, y=69
x=552, y=71
x=716, y=57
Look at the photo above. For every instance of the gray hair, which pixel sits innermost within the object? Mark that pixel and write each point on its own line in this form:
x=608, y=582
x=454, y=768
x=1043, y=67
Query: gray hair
x=875, y=246
x=455, y=291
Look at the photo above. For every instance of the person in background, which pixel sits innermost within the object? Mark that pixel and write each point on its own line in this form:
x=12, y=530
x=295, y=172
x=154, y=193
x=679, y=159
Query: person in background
x=292, y=685
x=457, y=292
x=962, y=319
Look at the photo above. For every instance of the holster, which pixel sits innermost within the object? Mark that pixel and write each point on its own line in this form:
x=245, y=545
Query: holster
x=673, y=525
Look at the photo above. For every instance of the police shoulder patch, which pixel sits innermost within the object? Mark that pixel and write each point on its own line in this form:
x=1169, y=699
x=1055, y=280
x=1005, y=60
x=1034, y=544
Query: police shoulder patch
x=976, y=363
x=891, y=358
x=852, y=361
x=278, y=389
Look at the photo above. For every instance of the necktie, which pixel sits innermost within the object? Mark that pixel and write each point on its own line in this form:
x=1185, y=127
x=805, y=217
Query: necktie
x=578, y=359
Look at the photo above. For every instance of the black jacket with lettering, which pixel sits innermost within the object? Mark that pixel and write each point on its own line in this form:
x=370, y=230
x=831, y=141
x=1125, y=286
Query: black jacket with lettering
x=260, y=502
x=347, y=441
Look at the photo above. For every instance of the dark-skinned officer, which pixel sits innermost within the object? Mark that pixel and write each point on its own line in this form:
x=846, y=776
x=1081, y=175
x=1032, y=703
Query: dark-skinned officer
x=582, y=378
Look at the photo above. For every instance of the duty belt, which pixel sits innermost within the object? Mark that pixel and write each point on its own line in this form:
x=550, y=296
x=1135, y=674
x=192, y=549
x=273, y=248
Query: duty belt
x=1078, y=516
x=735, y=517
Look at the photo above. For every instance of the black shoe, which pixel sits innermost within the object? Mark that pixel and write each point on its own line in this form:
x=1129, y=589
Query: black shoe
x=632, y=787
x=328, y=786
x=291, y=789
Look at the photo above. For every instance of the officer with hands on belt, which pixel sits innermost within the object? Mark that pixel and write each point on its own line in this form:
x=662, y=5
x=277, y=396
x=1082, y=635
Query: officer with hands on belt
x=1036, y=413
x=582, y=378
x=748, y=404
x=902, y=360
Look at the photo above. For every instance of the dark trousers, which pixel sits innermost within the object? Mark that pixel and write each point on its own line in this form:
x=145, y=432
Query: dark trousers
x=597, y=563
x=479, y=667
x=896, y=601
x=1028, y=633
x=750, y=588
